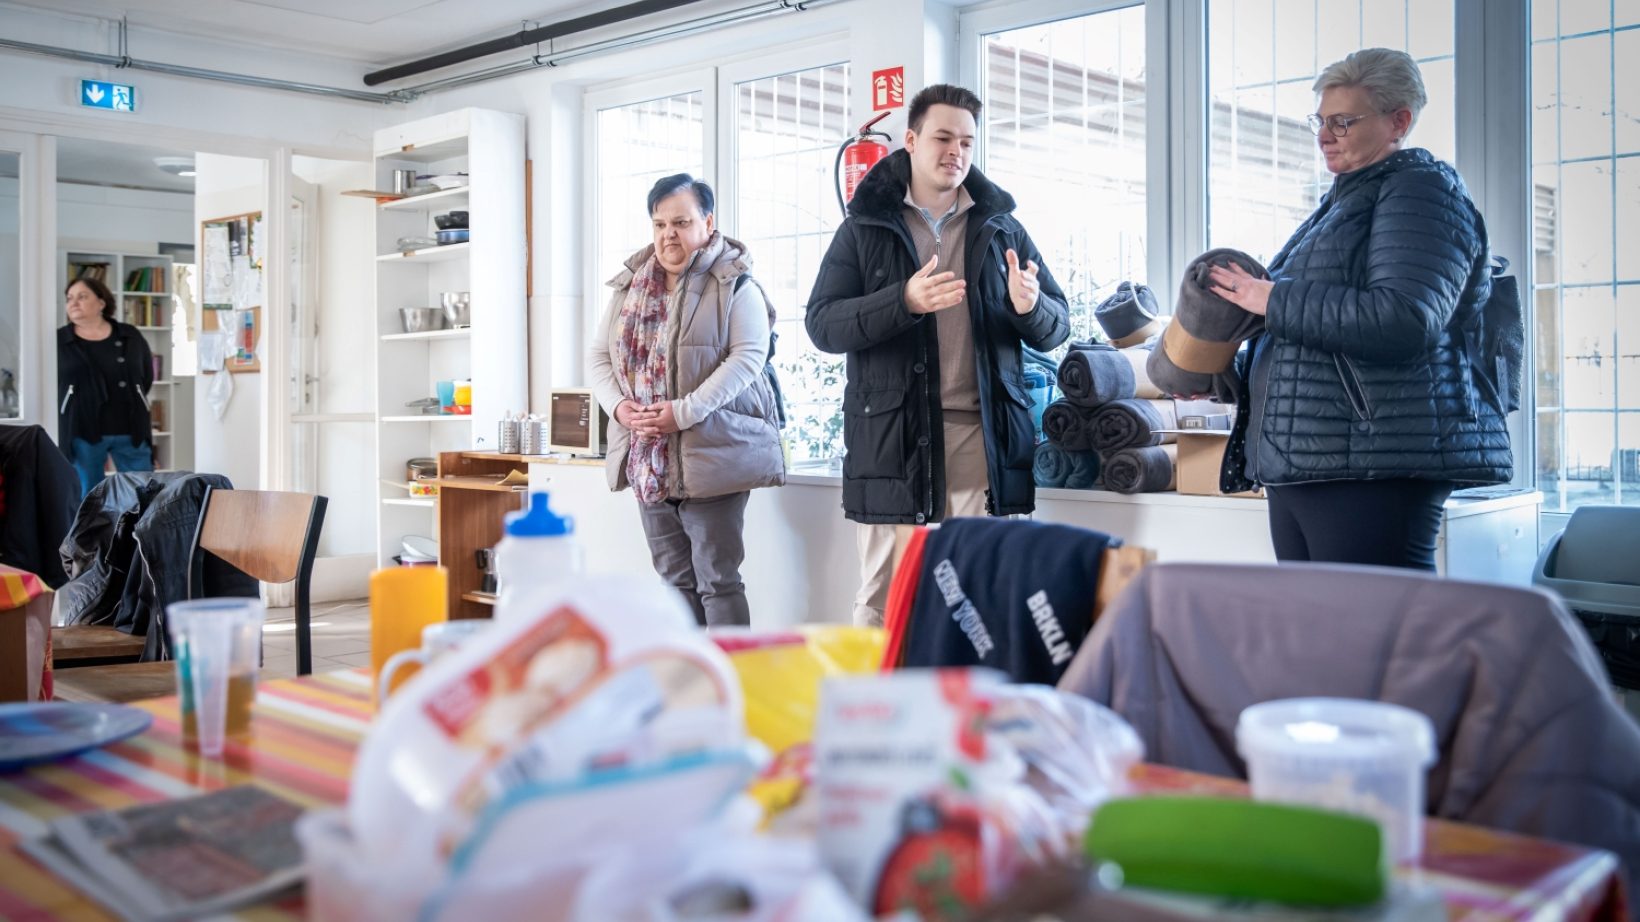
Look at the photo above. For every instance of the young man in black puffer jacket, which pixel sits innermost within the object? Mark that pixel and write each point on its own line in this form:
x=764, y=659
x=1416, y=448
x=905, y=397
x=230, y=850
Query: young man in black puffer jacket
x=930, y=287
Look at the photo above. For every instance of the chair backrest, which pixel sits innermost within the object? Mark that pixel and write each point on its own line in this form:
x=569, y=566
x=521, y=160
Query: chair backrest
x=271, y=536
x=1601, y=544
x=1530, y=736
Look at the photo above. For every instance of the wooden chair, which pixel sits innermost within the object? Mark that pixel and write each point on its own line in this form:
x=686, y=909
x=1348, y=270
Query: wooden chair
x=271, y=536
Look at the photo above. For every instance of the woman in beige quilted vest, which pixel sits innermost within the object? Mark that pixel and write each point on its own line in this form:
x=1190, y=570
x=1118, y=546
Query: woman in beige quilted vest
x=677, y=362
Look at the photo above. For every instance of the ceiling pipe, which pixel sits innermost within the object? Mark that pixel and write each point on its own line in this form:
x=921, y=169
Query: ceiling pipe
x=523, y=38
x=617, y=43
x=178, y=70
x=409, y=94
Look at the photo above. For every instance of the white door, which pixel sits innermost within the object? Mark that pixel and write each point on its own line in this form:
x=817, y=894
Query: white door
x=330, y=372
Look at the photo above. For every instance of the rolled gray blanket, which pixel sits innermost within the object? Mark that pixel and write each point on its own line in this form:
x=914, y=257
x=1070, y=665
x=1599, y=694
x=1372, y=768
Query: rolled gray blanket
x=1133, y=424
x=1128, y=317
x=1094, y=373
x=1071, y=470
x=1069, y=426
x=1197, y=351
x=1142, y=470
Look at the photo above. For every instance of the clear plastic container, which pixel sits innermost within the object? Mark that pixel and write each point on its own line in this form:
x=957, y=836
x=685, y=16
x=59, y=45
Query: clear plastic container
x=1363, y=757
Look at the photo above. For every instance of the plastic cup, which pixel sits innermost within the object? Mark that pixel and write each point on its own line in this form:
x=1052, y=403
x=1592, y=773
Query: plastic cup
x=446, y=394
x=463, y=393
x=1362, y=757
x=217, y=644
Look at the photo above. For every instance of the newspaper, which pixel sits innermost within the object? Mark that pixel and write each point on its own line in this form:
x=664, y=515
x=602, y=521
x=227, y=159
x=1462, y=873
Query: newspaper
x=178, y=859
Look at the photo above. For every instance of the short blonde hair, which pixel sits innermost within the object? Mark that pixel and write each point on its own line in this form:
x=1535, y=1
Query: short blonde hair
x=1391, y=79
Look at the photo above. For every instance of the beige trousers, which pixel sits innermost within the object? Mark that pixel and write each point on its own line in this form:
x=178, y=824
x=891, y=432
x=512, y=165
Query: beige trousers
x=965, y=484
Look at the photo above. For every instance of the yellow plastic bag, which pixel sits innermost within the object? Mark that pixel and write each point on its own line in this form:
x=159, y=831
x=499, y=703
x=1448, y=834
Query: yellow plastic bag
x=780, y=674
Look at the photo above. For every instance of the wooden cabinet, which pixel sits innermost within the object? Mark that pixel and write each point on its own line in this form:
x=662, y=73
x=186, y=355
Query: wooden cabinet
x=472, y=504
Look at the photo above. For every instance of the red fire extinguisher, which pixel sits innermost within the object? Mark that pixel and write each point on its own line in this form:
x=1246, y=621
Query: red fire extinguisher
x=856, y=158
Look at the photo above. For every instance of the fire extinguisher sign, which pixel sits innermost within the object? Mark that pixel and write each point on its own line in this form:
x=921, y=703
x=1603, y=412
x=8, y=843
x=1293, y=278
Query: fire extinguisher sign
x=887, y=89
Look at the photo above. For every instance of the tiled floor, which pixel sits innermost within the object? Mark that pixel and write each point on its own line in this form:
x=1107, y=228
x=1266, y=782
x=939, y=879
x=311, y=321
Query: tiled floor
x=341, y=638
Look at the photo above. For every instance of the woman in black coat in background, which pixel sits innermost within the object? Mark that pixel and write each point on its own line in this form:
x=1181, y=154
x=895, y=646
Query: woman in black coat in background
x=104, y=372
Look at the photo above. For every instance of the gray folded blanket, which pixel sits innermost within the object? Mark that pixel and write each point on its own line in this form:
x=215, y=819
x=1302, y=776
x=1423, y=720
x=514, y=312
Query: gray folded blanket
x=1129, y=316
x=1071, y=470
x=1069, y=426
x=1197, y=351
x=1094, y=373
x=1133, y=423
x=1142, y=470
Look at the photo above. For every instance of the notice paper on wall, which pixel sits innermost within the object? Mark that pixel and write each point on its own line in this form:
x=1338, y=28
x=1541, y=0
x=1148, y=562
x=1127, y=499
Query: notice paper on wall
x=214, y=347
x=218, y=271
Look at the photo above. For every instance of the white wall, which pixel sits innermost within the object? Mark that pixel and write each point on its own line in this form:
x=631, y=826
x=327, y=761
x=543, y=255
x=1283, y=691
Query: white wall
x=231, y=445
x=801, y=563
x=123, y=220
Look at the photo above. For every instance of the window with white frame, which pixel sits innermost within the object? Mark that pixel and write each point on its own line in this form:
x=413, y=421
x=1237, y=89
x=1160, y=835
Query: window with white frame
x=1064, y=132
x=786, y=132
x=636, y=144
x=1585, y=378
x=1265, y=174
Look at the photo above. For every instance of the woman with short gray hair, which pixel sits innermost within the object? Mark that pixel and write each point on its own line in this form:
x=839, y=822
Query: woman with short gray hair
x=1361, y=409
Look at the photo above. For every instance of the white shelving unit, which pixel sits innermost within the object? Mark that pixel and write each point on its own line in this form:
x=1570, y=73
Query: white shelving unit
x=150, y=312
x=492, y=352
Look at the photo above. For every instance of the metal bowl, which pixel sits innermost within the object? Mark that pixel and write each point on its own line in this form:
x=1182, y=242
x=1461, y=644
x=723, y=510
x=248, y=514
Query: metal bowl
x=421, y=319
x=456, y=306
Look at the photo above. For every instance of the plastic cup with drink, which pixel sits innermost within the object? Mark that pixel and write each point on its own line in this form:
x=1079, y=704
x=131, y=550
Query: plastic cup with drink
x=217, y=644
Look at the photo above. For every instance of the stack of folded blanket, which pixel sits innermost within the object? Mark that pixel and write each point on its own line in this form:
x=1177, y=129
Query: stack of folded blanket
x=1109, y=404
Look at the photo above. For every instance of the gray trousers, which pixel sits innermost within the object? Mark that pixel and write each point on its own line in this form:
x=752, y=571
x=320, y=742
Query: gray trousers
x=697, y=547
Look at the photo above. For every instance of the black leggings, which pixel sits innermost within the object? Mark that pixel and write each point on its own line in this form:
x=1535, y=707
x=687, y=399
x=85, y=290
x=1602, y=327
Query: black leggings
x=1388, y=523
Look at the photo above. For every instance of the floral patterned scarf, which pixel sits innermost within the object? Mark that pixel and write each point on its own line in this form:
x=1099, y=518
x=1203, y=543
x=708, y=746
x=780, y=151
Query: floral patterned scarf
x=641, y=371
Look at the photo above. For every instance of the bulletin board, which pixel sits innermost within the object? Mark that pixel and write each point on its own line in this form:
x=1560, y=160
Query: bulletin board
x=231, y=251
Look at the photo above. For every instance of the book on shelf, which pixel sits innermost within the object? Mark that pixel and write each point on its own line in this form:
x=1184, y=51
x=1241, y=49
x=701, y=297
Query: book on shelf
x=159, y=367
x=156, y=413
x=178, y=859
x=97, y=271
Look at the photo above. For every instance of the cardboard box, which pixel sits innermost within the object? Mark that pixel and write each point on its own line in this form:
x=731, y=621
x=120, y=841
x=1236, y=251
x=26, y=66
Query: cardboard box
x=1202, y=442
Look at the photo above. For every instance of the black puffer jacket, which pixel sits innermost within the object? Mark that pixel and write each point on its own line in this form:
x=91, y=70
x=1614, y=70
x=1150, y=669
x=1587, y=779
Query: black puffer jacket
x=1362, y=372
x=892, y=424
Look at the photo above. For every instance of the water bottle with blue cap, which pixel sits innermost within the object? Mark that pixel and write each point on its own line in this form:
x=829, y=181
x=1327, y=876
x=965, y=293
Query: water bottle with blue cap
x=537, y=549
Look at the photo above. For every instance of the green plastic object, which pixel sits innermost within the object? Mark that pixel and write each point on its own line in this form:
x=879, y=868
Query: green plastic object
x=1241, y=848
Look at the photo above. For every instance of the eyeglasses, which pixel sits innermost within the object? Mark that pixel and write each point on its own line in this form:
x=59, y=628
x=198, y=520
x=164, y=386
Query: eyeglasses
x=1339, y=125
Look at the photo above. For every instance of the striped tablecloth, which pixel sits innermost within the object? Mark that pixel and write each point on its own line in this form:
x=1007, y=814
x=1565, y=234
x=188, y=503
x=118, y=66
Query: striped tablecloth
x=306, y=732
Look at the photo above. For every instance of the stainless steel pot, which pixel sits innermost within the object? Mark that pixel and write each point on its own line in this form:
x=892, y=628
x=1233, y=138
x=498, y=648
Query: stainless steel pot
x=457, y=307
x=421, y=319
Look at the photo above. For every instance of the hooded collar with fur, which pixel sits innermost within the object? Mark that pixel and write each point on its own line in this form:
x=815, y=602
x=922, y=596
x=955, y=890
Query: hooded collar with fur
x=882, y=194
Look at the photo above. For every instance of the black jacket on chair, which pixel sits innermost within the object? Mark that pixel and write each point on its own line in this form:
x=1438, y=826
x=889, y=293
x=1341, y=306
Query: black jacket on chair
x=892, y=425
x=127, y=557
x=38, y=496
x=1362, y=372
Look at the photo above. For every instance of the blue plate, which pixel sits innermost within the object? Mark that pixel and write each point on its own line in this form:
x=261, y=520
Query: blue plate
x=41, y=732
